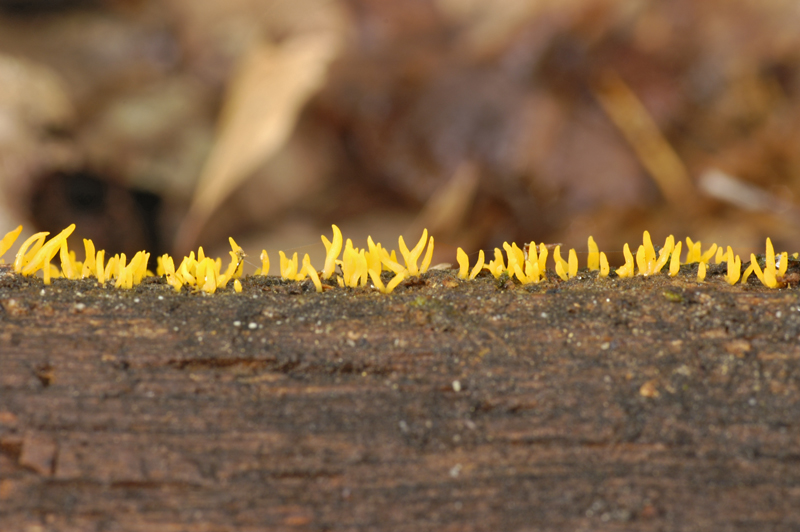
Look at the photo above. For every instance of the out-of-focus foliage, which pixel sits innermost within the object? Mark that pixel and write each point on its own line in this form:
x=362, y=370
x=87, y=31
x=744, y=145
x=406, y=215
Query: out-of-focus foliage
x=484, y=121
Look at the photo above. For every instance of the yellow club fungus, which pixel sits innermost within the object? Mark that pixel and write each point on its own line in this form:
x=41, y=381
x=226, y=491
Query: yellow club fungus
x=358, y=266
x=496, y=266
x=542, y=259
x=572, y=261
x=560, y=262
x=426, y=260
x=664, y=255
x=675, y=260
x=264, y=262
x=593, y=259
x=354, y=266
x=332, y=250
x=463, y=263
x=531, y=273
x=288, y=267
x=627, y=269
x=99, y=269
x=389, y=288
x=308, y=270
x=604, y=269
x=734, y=267
x=412, y=256
x=88, y=269
x=237, y=286
x=8, y=241
x=721, y=256
x=478, y=266
x=24, y=255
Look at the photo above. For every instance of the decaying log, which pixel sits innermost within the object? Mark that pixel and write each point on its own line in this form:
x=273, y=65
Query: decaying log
x=648, y=404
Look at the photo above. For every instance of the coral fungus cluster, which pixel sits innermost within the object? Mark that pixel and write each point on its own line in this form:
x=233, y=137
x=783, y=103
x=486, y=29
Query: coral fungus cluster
x=358, y=267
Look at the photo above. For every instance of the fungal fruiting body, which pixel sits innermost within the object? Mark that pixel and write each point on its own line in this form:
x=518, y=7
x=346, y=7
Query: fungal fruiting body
x=350, y=267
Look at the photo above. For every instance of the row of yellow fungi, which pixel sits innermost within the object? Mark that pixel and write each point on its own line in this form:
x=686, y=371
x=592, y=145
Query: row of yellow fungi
x=357, y=267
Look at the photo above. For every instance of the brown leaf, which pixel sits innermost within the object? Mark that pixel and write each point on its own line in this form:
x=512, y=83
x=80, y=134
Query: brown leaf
x=265, y=97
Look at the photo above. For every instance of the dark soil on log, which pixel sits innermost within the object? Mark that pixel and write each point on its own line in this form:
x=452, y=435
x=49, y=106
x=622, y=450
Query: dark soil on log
x=595, y=404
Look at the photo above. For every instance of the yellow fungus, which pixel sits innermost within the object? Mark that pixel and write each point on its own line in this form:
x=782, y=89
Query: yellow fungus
x=46, y=251
x=67, y=266
x=542, y=257
x=478, y=266
x=641, y=262
x=264, y=262
x=734, y=267
x=463, y=263
x=755, y=268
x=9, y=239
x=701, y=271
x=627, y=269
x=720, y=256
x=426, y=260
x=332, y=250
x=99, y=271
x=310, y=272
x=23, y=255
x=784, y=263
x=89, y=262
x=515, y=256
x=664, y=255
x=411, y=257
x=604, y=269
x=516, y=269
x=706, y=257
x=675, y=260
x=560, y=270
x=593, y=260
x=572, y=263
x=496, y=266
x=237, y=286
x=558, y=260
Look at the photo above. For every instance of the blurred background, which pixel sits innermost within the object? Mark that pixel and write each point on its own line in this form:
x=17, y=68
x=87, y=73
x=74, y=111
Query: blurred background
x=168, y=124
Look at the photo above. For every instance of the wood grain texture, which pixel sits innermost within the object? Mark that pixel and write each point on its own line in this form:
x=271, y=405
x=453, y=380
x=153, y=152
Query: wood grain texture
x=586, y=405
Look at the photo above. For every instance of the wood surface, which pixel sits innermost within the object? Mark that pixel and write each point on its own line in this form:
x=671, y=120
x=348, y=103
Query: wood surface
x=644, y=404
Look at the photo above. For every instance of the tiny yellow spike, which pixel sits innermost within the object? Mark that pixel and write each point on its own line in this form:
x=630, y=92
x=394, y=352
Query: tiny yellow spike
x=664, y=254
x=542, y=257
x=757, y=268
x=237, y=286
x=627, y=269
x=784, y=259
x=593, y=260
x=23, y=255
x=558, y=260
x=641, y=261
x=560, y=270
x=264, y=262
x=573, y=263
x=99, y=269
x=675, y=260
x=604, y=269
x=463, y=263
x=705, y=257
x=375, y=275
x=649, y=250
x=478, y=266
x=701, y=271
x=9, y=239
x=720, y=256
x=332, y=250
x=426, y=261
x=399, y=278
x=734, y=268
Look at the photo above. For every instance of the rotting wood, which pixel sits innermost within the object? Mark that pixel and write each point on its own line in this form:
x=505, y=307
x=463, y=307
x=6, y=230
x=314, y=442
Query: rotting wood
x=649, y=404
